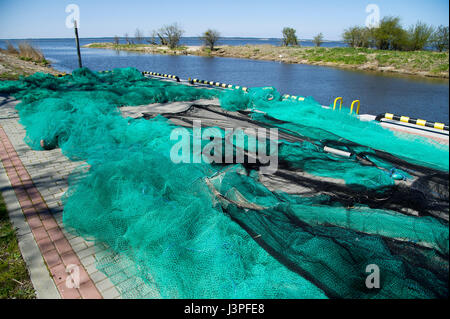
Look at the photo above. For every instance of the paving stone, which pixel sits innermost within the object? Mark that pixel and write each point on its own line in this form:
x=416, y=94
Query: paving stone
x=44, y=174
x=104, y=285
x=97, y=276
x=89, y=260
x=87, y=252
x=79, y=247
x=111, y=293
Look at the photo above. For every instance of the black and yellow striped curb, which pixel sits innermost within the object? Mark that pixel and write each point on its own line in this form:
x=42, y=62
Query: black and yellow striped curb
x=406, y=119
x=218, y=84
x=169, y=76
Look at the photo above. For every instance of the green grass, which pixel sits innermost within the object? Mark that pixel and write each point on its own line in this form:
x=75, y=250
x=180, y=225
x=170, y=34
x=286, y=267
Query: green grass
x=441, y=68
x=14, y=279
x=43, y=61
x=418, y=61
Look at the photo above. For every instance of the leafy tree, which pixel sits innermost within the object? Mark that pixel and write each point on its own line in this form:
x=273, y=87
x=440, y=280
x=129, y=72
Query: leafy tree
x=350, y=36
x=170, y=35
x=390, y=35
x=289, y=37
x=318, y=40
x=210, y=38
x=419, y=36
x=357, y=37
x=440, y=38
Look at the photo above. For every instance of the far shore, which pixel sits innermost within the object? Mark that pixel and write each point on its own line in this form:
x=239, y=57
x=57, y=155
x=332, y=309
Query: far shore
x=417, y=63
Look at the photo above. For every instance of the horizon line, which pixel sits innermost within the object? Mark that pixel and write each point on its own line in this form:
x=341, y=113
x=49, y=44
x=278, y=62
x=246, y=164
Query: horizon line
x=112, y=37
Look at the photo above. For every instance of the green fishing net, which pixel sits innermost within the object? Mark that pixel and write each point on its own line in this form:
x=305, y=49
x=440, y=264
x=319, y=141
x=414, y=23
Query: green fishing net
x=309, y=119
x=208, y=230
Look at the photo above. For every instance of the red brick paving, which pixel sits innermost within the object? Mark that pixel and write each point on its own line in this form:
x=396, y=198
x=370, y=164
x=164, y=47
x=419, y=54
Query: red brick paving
x=55, y=249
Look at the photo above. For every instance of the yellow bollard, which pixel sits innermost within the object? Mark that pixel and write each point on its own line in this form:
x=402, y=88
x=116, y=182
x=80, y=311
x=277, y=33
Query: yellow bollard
x=357, y=108
x=335, y=101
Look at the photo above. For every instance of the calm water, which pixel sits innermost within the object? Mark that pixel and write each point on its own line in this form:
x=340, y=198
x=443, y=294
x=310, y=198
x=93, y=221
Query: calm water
x=410, y=96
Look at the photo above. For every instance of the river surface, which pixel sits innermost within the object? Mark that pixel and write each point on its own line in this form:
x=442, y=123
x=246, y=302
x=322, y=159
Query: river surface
x=424, y=98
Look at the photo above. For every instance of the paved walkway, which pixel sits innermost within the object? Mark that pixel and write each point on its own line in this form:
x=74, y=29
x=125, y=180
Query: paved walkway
x=32, y=183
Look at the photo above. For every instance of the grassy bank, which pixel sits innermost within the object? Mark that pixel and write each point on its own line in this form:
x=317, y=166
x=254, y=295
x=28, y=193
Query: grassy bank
x=421, y=63
x=14, y=279
x=12, y=66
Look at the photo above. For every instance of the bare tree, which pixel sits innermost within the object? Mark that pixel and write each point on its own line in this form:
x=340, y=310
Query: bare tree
x=139, y=36
x=162, y=40
x=153, y=36
x=116, y=40
x=170, y=35
x=318, y=40
x=127, y=39
x=440, y=38
x=210, y=38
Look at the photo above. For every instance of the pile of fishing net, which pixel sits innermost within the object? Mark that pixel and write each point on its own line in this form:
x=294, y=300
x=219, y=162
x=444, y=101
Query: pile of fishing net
x=225, y=230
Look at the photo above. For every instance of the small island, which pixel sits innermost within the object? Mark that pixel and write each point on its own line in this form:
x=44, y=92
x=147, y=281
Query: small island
x=420, y=50
x=421, y=63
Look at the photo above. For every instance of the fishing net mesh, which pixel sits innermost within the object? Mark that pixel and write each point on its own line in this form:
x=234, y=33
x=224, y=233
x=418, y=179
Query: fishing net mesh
x=206, y=230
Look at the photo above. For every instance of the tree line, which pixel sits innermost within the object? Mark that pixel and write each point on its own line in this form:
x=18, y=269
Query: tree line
x=169, y=35
x=391, y=35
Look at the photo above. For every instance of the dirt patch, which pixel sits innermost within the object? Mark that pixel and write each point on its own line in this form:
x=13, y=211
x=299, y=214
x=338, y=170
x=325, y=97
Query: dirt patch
x=11, y=67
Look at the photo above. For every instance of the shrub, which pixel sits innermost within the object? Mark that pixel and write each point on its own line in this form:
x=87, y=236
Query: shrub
x=170, y=35
x=357, y=37
x=210, y=38
x=440, y=38
x=390, y=35
x=29, y=53
x=289, y=37
x=11, y=49
x=419, y=36
x=318, y=40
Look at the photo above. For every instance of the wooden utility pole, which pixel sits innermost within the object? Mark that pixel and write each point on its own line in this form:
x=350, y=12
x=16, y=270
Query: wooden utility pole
x=78, y=44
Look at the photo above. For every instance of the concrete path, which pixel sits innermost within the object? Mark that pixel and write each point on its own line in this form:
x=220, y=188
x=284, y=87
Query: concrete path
x=61, y=265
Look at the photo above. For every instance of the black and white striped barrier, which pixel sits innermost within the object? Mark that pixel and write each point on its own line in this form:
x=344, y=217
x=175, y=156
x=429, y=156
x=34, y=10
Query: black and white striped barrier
x=169, y=76
x=406, y=119
x=217, y=84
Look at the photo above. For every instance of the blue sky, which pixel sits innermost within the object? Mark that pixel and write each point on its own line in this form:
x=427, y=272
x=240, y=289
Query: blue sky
x=98, y=18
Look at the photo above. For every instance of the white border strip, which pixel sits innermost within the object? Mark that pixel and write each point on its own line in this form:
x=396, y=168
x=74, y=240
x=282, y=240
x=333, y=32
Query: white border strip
x=39, y=274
